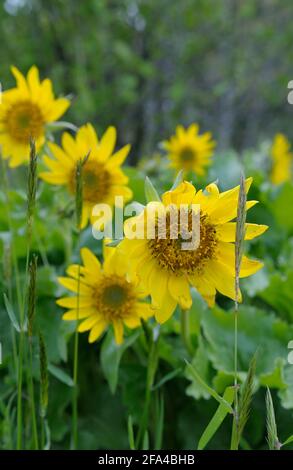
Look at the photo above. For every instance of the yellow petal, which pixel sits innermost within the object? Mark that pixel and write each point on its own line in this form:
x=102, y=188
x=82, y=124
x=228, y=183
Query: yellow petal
x=54, y=178
x=220, y=276
x=132, y=322
x=118, y=158
x=73, y=314
x=227, y=257
x=21, y=81
x=71, y=302
x=180, y=291
x=90, y=261
x=97, y=330
x=165, y=311
x=74, y=285
x=227, y=232
x=158, y=281
x=59, y=107
x=89, y=323
x=107, y=143
x=34, y=81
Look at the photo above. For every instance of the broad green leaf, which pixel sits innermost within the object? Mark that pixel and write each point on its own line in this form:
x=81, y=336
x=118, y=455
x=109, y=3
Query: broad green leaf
x=201, y=364
x=111, y=355
x=150, y=191
x=217, y=419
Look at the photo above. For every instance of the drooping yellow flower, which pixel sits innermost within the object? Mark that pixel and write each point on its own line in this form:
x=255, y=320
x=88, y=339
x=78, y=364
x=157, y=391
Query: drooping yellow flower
x=189, y=151
x=167, y=271
x=107, y=297
x=24, y=112
x=103, y=178
x=282, y=160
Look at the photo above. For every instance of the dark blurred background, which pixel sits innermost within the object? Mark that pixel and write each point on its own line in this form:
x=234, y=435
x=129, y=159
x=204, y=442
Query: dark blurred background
x=147, y=65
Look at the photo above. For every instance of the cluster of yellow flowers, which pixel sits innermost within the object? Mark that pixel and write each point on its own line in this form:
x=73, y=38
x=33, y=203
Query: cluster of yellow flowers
x=116, y=293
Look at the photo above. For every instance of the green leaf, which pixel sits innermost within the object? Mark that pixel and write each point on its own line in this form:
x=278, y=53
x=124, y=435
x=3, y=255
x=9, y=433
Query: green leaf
x=60, y=375
x=11, y=314
x=150, y=191
x=209, y=389
x=217, y=419
x=159, y=423
x=111, y=355
x=201, y=364
x=288, y=441
x=171, y=375
x=130, y=433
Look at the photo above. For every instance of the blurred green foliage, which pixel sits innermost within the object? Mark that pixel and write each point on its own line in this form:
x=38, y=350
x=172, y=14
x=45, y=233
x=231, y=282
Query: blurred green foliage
x=146, y=65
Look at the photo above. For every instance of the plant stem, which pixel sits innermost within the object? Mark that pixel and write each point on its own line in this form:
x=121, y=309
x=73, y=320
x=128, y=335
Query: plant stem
x=75, y=364
x=32, y=398
x=151, y=372
x=185, y=330
x=20, y=308
x=234, y=438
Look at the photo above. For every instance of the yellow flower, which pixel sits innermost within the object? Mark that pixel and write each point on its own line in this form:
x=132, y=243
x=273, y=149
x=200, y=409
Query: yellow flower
x=282, y=160
x=107, y=297
x=103, y=178
x=189, y=151
x=24, y=112
x=167, y=271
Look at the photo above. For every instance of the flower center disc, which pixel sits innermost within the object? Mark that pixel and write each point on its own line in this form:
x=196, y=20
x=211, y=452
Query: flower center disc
x=114, y=298
x=187, y=156
x=24, y=120
x=96, y=182
x=170, y=255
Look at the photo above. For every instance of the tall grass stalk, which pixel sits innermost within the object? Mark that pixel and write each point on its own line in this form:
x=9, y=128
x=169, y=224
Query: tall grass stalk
x=20, y=307
x=44, y=387
x=31, y=316
x=239, y=242
x=29, y=294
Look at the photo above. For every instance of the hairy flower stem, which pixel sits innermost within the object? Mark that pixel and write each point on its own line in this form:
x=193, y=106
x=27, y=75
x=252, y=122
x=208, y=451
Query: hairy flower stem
x=185, y=330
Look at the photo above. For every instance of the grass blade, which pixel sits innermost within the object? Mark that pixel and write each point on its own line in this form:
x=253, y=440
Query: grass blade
x=11, y=314
x=217, y=419
x=209, y=389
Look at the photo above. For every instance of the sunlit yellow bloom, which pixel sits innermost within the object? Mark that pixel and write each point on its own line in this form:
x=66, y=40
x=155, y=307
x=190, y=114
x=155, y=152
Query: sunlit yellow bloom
x=189, y=151
x=24, y=112
x=107, y=297
x=282, y=160
x=167, y=271
x=103, y=178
